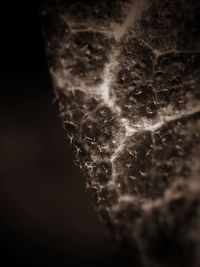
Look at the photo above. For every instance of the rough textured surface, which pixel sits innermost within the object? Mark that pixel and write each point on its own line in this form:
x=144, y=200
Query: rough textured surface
x=126, y=77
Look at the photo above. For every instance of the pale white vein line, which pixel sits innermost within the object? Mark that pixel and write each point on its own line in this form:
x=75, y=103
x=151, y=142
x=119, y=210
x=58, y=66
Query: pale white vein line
x=136, y=9
x=167, y=119
x=103, y=31
x=108, y=77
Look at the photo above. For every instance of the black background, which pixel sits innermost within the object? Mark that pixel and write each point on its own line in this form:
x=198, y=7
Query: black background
x=47, y=216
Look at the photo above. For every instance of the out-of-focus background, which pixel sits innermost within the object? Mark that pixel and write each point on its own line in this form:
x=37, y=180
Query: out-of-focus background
x=47, y=217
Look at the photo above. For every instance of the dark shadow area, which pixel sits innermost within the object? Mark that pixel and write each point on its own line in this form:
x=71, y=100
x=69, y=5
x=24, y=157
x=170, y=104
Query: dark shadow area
x=47, y=216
